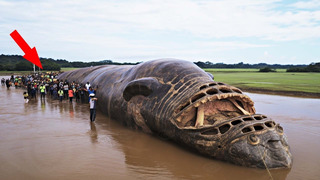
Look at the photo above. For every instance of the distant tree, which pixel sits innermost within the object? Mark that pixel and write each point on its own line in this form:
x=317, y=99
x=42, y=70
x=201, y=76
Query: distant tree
x=106, y=61
x=313, y=67
x=23, y=66
x=267, y=69
x=200, y=64
x=77, y=64
x=63, y=63
x=9, y=67
x=50, y=65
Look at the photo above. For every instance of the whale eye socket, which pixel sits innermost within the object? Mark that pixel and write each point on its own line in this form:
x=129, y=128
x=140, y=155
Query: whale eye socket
x=143, y=86
x=253, y=139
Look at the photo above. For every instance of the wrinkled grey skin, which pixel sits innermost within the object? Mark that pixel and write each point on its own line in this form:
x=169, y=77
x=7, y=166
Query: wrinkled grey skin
x=164, y=97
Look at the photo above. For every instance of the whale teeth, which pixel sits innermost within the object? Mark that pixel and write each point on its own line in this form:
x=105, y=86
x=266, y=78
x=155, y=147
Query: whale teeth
x=179, y=119
x=200, y=116
x=239, y=107
x=201, y=109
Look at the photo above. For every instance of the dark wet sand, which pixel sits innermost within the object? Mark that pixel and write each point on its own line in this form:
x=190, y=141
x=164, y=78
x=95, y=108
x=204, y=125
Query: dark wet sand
x=53, y=140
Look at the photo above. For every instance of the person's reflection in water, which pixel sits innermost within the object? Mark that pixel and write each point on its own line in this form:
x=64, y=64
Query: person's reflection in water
x=93, y=133
x=43, y=105
x=71, y=111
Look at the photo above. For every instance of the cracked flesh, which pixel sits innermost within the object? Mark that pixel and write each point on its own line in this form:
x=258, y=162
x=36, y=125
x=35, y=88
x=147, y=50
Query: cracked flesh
x=215, y=110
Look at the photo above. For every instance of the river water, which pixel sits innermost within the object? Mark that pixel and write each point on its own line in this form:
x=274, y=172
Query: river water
x=54, y=140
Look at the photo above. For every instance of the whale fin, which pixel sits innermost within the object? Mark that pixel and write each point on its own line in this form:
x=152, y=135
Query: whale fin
x=211, y=75
x=143, y=86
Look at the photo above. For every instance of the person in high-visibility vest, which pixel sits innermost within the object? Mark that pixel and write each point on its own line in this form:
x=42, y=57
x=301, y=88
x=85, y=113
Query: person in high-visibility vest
x=42, y=91
x=25, y=95
x=60, y=92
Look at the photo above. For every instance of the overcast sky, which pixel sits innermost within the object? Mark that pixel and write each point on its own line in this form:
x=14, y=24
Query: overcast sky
x=228, y=31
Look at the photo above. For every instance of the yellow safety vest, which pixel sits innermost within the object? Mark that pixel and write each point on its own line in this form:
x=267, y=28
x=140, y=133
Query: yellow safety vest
x=60, y=92
x=42, y=89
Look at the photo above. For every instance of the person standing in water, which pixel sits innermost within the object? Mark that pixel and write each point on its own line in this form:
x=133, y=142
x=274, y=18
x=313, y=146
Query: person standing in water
x=60, y=92
x=65, y=90
x=33, y=93
x=42, y=92
x=93, y=102
x=8, y=84
x=91, y=91
x=70, y=94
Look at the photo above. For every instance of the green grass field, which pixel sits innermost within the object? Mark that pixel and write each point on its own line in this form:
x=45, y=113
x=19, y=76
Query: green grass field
x=68, y=69
x=247, y=79
x=7, y=73
x=238, y=70
x=274, y=81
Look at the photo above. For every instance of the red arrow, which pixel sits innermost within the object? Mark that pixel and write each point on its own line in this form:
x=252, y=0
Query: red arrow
x=29, y=54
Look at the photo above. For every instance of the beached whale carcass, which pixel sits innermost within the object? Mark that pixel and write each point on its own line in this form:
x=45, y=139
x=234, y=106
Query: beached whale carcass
x=178, y=100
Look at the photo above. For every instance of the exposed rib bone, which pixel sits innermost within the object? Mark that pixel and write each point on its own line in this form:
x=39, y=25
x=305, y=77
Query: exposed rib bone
x=239, y=107
x=200, y=116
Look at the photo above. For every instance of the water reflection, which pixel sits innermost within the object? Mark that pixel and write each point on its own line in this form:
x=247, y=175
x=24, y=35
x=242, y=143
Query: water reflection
x=55, y=140
x=152, y=157
x=43, y=105
x=71, y=109
x=93, y=133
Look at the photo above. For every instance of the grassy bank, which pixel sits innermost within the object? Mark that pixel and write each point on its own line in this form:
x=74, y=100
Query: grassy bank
x=238, y=70
x=68, y=69
x=7, y=73
x=279, y=82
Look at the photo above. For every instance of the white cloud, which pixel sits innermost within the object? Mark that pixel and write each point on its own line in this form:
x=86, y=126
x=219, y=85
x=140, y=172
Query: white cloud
x=110, y=28
x=227, y=45
x=213, y=19
x=307, y=4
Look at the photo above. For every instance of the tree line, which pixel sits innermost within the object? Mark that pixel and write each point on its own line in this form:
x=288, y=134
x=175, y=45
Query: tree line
x=313, y=67
x=18, y=63
x=246, y=65
x=263, y=67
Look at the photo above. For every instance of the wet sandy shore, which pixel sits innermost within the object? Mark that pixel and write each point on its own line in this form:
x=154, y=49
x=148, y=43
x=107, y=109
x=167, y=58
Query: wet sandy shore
x=53, y=140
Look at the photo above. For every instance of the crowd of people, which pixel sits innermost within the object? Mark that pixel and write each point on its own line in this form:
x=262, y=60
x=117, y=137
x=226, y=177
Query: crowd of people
x=47, y=84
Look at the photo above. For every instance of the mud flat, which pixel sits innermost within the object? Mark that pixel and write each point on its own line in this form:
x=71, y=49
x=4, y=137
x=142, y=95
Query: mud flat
x=53, y=140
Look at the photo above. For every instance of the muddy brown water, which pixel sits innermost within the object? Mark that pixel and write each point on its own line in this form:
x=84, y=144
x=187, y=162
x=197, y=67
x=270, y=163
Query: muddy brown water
x=53, y=140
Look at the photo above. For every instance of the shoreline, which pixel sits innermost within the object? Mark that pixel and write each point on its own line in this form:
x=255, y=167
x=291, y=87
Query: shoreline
x=282, y=93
